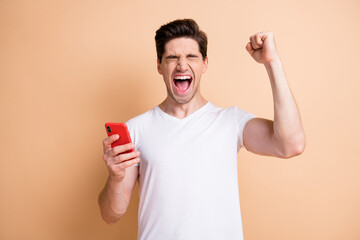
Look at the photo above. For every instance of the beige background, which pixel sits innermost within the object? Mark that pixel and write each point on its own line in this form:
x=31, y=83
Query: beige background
x=67, y=67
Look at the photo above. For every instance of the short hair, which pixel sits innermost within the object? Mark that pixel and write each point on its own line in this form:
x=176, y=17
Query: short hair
x=180, y=28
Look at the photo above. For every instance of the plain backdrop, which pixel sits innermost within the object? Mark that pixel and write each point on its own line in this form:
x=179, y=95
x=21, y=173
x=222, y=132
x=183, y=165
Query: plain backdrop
x=67, y=67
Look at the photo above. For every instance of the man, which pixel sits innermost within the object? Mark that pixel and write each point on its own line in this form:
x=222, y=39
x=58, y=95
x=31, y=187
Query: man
x=187, y=175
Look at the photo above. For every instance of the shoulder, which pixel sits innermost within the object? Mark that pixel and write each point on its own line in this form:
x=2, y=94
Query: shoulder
x=234, y=115
x=141, y=119
x=232, y=111
x=239, y=116
x=241, y=113
x=138, y=124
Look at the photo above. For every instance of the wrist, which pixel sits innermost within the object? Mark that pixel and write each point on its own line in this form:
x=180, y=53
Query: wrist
x=114, y=181
x=275, y=62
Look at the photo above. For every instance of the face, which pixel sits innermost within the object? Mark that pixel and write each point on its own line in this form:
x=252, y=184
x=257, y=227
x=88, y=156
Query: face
x=181, y=67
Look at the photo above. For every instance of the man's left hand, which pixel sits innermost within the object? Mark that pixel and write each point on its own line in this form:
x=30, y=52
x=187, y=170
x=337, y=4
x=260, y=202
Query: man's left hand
x=262, y=47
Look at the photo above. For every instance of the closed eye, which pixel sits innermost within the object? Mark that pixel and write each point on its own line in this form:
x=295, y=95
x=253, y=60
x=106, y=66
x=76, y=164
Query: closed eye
x=192, y=56
x=172, y=57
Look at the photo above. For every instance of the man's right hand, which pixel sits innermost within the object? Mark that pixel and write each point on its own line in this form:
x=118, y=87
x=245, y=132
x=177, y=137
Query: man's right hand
x=116, y=160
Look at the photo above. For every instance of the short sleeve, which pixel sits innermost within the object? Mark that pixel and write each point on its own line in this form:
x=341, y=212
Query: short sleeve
x=241, y=118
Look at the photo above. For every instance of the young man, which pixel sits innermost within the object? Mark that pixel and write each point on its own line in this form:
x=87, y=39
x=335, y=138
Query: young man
x=188, y=182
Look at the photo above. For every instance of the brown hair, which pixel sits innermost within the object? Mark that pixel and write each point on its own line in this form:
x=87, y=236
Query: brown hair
x=180, y=28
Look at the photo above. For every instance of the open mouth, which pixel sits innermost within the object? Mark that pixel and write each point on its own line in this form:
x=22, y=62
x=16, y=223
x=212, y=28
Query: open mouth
x=182, y=82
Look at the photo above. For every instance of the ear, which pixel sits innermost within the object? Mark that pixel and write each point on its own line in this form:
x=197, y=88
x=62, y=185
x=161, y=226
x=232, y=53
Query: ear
x=159, y=67
x=205, y=65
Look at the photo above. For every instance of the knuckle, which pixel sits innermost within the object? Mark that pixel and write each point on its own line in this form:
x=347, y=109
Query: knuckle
x=108, y=163
x=121, y=158
x=112, y=152
x=113, y=168
x=105, y=142
x=122, y=166
x=106, y=152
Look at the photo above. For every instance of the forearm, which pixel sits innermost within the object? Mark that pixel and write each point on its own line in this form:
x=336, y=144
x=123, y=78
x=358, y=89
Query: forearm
x=113, y=201
x=288, y=130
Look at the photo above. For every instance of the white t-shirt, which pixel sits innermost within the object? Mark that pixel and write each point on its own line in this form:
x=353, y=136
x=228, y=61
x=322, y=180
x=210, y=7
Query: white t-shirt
x=188, y=182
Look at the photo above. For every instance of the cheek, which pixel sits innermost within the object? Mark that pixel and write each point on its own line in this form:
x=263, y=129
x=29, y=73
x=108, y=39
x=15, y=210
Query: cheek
x=166, y=73
x=197, y=69
x=168, y=69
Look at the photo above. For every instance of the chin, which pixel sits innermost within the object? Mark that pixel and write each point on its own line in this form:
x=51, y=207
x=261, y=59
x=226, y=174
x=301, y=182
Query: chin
x=182, y=100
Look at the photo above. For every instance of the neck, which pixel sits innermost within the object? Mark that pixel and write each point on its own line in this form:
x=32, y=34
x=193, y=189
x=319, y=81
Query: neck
x=182, y=110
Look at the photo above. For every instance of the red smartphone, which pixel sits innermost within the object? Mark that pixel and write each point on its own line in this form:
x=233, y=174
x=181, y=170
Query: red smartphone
x=121, y=130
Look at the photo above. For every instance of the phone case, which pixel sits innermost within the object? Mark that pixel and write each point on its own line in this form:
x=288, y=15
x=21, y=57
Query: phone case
x=123, y=132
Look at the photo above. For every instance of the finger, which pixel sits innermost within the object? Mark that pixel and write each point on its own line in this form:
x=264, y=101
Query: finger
x=130, y=162
x=122, y=148
x=258, y=40
x=249, y=48
x=117, y=170
x=113, y=152
x=108, y=141
x=254, y=43
x=124, y=157
x=267, y=36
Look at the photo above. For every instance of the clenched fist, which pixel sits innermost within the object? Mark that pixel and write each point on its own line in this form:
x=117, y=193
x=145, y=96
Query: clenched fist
x=262, y=47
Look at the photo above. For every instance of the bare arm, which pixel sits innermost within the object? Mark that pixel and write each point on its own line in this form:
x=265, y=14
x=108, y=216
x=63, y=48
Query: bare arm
x=284, y=136
x=115, y=197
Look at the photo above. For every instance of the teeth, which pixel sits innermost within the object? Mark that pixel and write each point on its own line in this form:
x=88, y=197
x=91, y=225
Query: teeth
x=182, y=78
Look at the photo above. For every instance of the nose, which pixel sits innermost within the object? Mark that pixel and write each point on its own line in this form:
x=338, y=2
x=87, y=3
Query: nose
x=182, y=65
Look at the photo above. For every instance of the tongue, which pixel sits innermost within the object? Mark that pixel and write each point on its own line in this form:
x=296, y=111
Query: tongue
x=182, y=85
